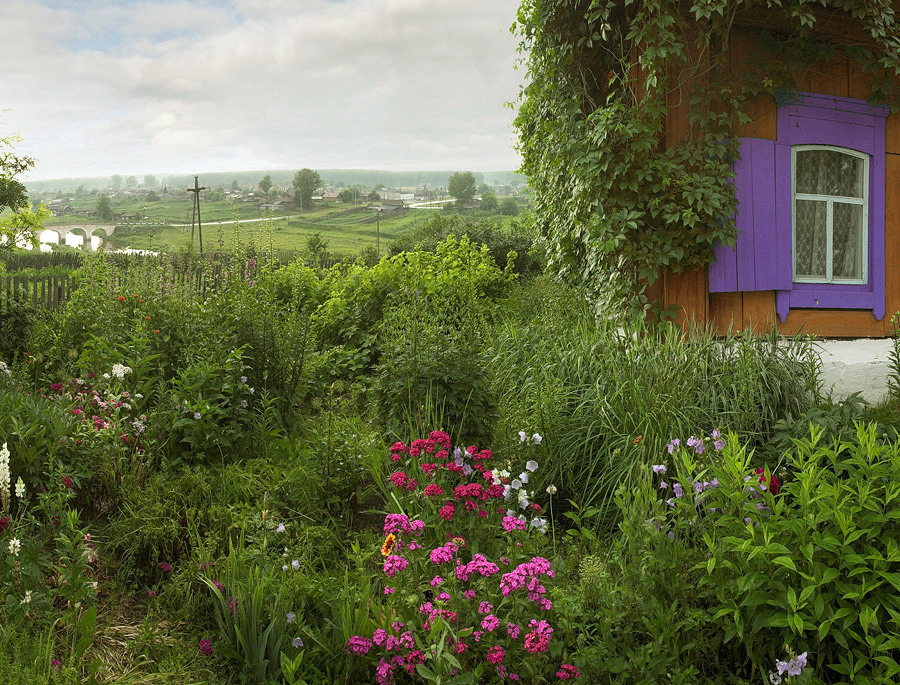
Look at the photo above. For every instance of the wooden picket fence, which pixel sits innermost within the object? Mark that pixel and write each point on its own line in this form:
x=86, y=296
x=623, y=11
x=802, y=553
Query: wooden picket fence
x=50, y=292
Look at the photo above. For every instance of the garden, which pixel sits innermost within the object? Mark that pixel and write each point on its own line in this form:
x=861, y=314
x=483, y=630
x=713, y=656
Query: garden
x=445, y=467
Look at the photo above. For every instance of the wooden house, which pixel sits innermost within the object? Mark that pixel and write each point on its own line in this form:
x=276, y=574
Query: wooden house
x=818, y=217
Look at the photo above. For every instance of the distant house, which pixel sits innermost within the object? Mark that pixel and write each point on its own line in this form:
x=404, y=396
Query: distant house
x=331, y=196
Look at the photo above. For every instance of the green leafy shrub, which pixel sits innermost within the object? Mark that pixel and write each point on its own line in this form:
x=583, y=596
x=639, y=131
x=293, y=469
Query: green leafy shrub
x=816, y=568
x=733, y=567
x=17, y=315
x=500, y=237
x=433, y=366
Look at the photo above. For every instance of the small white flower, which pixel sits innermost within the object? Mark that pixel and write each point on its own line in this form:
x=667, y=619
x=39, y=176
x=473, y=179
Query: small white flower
x=252, y=390
x=295, y=564
x=523, y=436
x=536, y=438
x=27, y=598
x=4, y=453
x=551, y=489
x=531, y=465
x=243, y=404
x=516, y=484
x=119, y=371
x=243, y=379
x=284, y=568
x=540, y=524
x=106, y=376
x=198, y=415
x=523, y=476
x=20, y=488
x=280, y=528
x=15, y=546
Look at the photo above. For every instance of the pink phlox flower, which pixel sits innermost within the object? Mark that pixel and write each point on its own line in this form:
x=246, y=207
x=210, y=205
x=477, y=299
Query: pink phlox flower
x=447, y=511
x=485, y=608
x=394, y=564
x=437, y=580
x=440, y=437
x=433, y=490
x=496, y=654
x=490, y=623
x=443, y=554
x=568, y=671
x=513, y=630
x=384, y=673
x=511, y=523
x=379, y=636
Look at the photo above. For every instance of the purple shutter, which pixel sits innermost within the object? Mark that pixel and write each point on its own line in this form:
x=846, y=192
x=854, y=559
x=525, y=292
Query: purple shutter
x=757, y=262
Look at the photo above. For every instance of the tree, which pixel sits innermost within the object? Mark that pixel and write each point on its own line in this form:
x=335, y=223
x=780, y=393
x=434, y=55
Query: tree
x=462, y=186
x=24, y=222
x=306, y=182
x=116, y=182
x=152, y=196
x=234, y=185
x=104, y=208
x=150, y=181
x=346, y=195
x=509, y=206
x=317, y=247
x=265, y=184
x=131, y=182
x=488, y=201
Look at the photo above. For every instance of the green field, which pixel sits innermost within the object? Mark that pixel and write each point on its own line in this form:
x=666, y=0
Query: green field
x=345, y=232
x=167, y=226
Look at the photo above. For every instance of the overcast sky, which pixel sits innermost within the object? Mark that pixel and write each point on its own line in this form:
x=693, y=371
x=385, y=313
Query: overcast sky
x=99, y=87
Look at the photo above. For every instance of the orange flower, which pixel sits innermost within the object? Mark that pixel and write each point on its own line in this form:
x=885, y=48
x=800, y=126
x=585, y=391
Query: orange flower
x=141, y=300
x=637, y=440
x=156, y=331
x=147, y=317
x=121, y=298
x=388, y=545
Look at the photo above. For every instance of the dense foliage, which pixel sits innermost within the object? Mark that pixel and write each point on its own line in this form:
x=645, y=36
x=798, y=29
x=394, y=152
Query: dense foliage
x=608, y=194
x=219, y=480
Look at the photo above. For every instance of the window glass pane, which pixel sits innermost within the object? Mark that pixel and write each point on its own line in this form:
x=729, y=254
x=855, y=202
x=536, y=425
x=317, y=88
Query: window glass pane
x=847, y=241
x=828, y=172
x=810, y=239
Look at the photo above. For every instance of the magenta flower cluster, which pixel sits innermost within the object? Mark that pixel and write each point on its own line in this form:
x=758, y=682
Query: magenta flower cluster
x=461, y=514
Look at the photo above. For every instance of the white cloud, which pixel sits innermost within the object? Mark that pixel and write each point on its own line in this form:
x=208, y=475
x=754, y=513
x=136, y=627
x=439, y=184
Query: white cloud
x=167, y=87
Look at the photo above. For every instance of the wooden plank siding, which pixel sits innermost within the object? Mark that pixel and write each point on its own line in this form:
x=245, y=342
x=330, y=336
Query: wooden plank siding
x=734, y=311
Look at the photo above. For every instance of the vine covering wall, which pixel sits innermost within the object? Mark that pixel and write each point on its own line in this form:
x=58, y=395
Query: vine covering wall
x=612, y=190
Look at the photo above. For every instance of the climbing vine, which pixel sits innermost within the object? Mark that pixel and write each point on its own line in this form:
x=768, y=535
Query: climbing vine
x=611, y=192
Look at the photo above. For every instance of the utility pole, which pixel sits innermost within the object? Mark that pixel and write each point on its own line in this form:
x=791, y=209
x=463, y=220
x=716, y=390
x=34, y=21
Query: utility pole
x=196, y=214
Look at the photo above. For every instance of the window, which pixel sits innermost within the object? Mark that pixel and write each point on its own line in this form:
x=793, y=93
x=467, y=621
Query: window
x=810, y=214
x=830, y=216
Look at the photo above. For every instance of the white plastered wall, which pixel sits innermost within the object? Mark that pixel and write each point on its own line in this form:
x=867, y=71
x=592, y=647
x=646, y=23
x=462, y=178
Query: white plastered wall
x=850, y=366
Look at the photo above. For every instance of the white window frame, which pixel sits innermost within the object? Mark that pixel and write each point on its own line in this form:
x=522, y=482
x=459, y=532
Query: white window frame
x=829, y=217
